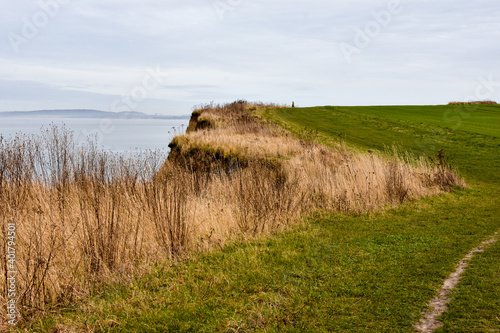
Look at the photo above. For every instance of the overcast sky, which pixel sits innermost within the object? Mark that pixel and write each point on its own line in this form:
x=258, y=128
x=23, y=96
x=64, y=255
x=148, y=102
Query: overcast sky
x=165, y=56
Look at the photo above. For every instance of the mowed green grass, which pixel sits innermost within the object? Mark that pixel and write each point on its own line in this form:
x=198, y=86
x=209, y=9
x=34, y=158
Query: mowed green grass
x=471, y=135
x=472, y=138
x=336, y=273
x=481, y=119
x=476, y=304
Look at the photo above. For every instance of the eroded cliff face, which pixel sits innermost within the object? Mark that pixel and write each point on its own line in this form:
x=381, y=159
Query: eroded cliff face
x=193, y=122
x=203, y=148
x=225, y=139
x=197, y=122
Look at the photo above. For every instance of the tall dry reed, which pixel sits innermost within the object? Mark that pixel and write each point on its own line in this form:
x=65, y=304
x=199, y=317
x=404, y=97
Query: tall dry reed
x=85, y=216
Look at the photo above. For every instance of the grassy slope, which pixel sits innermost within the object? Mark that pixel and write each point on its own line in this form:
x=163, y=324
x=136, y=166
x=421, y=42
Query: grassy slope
x=474, y=151
x=481, y=119
x=471, y=135
x=370, y=273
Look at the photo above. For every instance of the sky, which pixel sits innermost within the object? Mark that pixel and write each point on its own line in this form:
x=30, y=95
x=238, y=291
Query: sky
x=166, y=56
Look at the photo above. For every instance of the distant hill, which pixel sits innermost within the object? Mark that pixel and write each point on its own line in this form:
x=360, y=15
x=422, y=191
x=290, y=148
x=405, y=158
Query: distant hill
x=86, y=114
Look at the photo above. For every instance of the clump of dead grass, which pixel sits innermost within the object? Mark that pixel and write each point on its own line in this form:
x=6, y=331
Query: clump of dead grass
x=485, y=102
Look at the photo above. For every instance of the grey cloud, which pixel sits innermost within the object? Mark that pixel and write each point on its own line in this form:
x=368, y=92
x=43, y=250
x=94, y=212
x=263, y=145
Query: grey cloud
x=269, y=51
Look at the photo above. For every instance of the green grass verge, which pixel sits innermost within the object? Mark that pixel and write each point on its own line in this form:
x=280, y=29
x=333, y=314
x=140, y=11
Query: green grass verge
x=470, y=134
x=368, y=273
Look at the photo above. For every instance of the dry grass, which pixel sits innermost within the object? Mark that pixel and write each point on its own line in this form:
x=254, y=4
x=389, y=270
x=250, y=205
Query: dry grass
x=229, y=142
x=486, y=102
x=352, y=180
x=86, y=217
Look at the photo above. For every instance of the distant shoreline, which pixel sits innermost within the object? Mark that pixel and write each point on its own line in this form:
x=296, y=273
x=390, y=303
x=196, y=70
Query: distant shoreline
x=86, y=114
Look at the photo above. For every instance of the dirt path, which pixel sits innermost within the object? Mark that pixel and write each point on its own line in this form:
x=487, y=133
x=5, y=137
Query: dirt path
x=438, y=305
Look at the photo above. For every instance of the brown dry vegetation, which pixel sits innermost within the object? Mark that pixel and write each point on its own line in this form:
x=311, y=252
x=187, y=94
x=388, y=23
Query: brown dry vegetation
x=85, y=217
x=487, y=102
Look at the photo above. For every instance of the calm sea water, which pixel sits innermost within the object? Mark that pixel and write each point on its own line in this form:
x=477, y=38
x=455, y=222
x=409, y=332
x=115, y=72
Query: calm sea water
x=118, y=135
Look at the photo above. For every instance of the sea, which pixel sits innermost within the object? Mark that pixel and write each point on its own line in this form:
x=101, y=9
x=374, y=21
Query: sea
x=116, y=135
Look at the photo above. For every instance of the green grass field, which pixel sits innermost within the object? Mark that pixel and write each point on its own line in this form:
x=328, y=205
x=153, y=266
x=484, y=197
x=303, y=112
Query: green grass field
x=338, y=273
x=470, y=134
